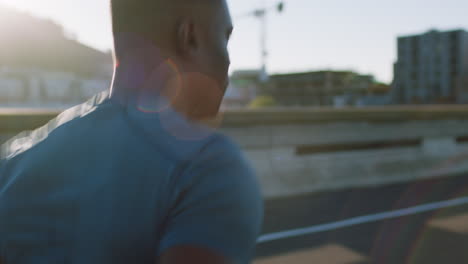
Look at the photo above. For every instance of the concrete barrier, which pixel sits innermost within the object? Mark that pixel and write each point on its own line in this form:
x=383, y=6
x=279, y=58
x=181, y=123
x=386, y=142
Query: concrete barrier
x=301, y=150
x=307, y=150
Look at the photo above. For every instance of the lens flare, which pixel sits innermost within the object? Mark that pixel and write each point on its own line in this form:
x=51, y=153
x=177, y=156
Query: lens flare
x=407, y=237
x=427, y=236
x=161, y=89
x=202, y=97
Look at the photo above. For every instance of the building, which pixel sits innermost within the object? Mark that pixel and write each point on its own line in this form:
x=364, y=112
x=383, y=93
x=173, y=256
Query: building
x=432, y=68
x=378, y=95
x=40, y=66
x=319, y=88
x=243, y=87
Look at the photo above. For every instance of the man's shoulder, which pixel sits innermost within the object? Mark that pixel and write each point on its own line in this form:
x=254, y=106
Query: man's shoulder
x=219, y=184
x=224, y=146
x=221, y=159
x=64, y=123
x=219, y=147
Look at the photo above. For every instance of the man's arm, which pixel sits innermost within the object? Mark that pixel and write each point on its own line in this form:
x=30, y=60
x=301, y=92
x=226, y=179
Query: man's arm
x=216, y=210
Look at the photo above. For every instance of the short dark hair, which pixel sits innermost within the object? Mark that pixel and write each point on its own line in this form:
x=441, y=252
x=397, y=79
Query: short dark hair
x=133, y=15
x=141, y=16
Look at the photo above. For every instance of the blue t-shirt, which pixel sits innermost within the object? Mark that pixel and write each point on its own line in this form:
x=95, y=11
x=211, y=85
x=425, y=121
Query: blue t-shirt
x=111, y=183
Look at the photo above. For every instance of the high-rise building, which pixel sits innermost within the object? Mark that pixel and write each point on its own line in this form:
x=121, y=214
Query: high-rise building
x=432, y=68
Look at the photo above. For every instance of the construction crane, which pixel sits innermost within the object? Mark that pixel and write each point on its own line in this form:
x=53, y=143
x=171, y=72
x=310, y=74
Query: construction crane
x=261, y=14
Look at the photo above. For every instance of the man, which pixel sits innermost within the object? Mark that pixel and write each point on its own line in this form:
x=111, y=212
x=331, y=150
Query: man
x=136, y=175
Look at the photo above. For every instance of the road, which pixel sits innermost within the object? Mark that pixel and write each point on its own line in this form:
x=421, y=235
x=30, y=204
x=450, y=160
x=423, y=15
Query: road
x=435, y=236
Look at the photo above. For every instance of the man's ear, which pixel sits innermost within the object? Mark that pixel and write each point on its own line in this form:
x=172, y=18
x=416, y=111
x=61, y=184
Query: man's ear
x=187, y=41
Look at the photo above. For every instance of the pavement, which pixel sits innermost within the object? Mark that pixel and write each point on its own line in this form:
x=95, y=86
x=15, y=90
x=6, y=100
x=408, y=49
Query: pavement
x=438, y=236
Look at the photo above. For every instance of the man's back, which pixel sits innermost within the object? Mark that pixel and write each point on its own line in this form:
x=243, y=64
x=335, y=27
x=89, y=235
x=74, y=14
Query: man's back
x=106, y=183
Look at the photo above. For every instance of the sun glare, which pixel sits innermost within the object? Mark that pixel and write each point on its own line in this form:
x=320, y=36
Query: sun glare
x=42, y=8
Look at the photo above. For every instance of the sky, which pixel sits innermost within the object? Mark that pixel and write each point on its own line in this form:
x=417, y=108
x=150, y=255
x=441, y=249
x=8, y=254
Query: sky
x=357, y=35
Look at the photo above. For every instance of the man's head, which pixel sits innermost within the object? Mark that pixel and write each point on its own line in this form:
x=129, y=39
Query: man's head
x=192, y=33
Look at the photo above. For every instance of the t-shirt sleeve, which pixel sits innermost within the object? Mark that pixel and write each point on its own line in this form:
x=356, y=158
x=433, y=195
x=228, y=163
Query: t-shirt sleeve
x=216, y=204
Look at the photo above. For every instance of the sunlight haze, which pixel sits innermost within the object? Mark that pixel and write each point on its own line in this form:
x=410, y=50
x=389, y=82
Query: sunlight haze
x=358, y=35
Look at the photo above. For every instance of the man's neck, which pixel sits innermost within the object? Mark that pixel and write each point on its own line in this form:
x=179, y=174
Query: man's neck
x=136, y=61
x=143, y=75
